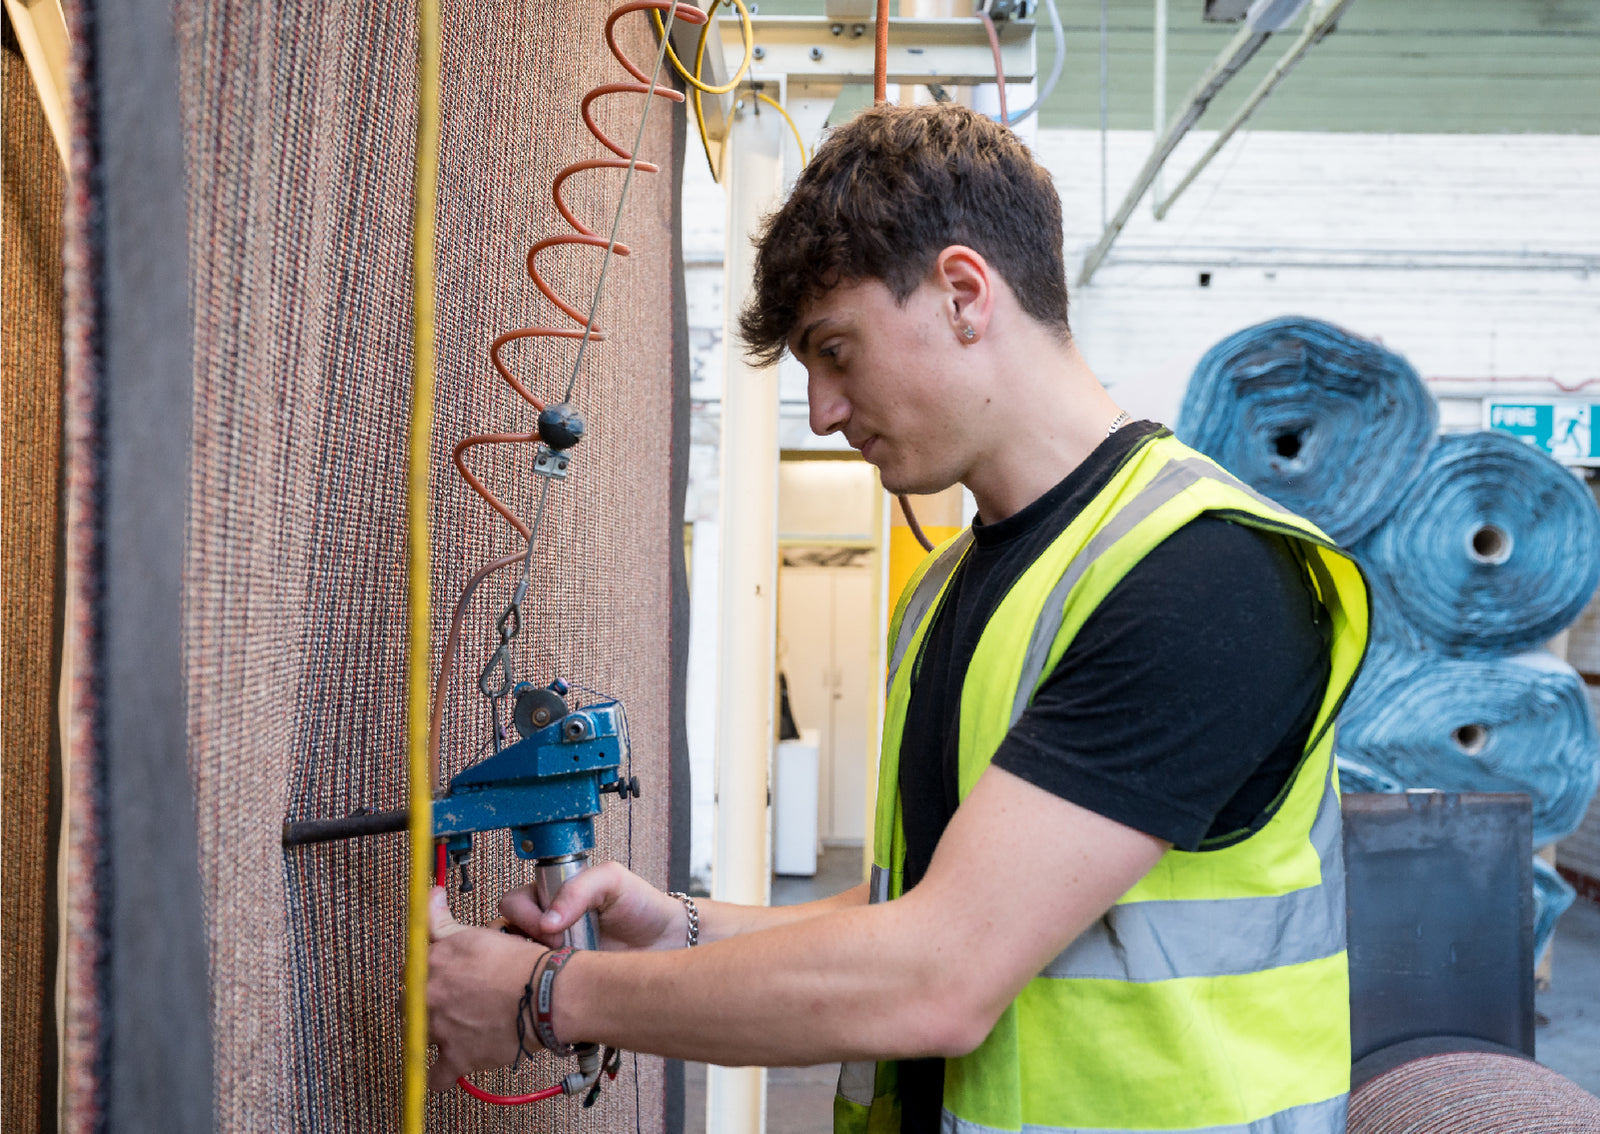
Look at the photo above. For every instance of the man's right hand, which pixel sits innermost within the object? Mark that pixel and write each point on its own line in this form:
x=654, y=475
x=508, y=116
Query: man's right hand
x=632, y=913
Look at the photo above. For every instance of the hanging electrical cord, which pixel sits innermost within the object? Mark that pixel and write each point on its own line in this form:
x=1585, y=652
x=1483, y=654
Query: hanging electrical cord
x=1060, y=36
x=880, y=96
x=692, y=77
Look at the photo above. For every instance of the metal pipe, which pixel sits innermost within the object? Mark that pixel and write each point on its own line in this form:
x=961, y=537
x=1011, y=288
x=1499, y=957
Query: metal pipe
x=1378, y=259
x=1105, y=109
x=356, y=826
x=549, y=875
x=1318, y=24
x=1240, y=50
x=1158, y=99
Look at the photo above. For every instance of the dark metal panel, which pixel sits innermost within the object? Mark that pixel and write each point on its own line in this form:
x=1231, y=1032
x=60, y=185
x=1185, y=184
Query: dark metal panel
x=159, y=999
x=1440, y=901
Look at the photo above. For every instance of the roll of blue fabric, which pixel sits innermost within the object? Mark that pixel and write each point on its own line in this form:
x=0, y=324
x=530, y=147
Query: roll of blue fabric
x=1494, y=724
x=1495, y=547
x=1325, y=422
x=1552, y=895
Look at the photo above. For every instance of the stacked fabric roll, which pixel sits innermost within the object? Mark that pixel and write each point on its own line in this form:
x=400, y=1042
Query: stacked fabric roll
x=1478, y=549
x=1327, y=424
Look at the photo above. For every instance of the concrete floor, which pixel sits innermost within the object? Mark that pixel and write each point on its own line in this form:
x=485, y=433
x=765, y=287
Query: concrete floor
x=800, y=1099
x=1568, y=1038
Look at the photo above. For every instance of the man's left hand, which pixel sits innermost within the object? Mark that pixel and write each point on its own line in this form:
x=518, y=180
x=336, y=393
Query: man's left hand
x=475, y=980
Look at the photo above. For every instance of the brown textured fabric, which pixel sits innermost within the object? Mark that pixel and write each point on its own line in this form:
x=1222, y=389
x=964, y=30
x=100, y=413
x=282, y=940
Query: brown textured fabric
x=1472, y=1093
x=30, y=429
x=300, y=121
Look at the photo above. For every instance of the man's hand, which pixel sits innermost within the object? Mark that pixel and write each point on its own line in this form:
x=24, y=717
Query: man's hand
x=632, y=913
x=475, y=979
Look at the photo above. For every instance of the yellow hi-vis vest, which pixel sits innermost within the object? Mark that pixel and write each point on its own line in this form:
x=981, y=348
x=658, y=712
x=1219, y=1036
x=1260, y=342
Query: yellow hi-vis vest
x=1214, y=995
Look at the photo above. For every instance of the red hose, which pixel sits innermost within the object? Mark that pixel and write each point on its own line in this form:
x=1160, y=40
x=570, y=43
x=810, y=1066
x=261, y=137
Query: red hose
x=440, y=877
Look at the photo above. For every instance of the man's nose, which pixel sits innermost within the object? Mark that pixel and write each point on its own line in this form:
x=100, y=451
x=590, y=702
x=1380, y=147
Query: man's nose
x=829, y=408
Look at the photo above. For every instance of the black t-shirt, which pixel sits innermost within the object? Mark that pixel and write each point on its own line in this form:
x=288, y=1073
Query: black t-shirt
x=1180, y=709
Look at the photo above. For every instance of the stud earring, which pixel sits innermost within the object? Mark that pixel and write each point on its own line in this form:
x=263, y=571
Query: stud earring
x=968, y=333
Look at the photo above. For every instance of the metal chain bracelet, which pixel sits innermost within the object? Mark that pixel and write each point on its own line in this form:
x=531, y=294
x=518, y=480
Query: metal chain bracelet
x=692, y=938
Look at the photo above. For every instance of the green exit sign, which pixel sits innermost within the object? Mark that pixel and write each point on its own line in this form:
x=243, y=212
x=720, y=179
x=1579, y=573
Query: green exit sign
x=1561, y=428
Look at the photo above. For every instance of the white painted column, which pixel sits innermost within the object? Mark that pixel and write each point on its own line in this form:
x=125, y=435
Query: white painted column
x=701, y=697
x=747, y=516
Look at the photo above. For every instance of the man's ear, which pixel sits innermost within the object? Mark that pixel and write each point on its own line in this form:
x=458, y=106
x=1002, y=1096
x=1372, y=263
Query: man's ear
x=967, y=281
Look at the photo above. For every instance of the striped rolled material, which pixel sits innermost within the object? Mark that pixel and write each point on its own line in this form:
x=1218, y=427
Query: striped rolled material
x=1472, y=1092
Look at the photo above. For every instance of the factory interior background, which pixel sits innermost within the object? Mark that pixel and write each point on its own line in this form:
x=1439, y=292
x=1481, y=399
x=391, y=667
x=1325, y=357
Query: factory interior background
x=1419, y=188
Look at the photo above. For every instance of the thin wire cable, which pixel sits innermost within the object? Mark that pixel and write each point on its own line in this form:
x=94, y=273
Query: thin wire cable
x=419, y=580
x=1059, y=34
x=600, y=284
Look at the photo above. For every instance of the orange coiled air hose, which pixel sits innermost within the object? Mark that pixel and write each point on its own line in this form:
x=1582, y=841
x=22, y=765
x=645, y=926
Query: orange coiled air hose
x=585, y=330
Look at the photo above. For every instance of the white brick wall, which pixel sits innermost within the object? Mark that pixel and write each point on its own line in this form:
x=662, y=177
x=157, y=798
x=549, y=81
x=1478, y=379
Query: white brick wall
x=1276, y=219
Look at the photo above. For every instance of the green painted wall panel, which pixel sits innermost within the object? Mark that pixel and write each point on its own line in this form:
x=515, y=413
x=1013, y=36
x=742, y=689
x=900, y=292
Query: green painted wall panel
x=1393, y=66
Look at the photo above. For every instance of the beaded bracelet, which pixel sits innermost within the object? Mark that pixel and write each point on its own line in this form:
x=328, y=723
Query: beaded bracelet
x=542, y=1013
x=693, y=937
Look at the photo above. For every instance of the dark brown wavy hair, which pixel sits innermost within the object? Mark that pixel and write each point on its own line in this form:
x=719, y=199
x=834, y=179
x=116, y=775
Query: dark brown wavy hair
x=884, y=195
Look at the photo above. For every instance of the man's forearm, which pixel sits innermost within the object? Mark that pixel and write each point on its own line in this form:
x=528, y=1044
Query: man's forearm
x=721, y=920
x=839, y=984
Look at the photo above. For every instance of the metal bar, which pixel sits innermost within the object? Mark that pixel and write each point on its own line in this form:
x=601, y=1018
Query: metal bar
x=1398, y=259
x=1105, y=109
x=308, y=831
x=949, y=51
x=1318, y=25
x=1240, y=50
x=1159, y=95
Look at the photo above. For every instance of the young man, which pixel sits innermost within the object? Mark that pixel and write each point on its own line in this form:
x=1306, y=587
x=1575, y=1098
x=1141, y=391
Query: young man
x=1108, y=890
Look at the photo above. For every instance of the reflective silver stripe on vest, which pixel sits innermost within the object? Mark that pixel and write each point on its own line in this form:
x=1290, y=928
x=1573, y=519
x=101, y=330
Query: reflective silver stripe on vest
x=878, y=885
x=1326, y=1117
x=922, y=598
x=1174, y=478
x=857, y=1081
x=1166, y=940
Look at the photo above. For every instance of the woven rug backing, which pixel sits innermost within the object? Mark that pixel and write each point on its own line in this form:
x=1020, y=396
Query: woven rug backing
x=30, y=454
x=300, y=120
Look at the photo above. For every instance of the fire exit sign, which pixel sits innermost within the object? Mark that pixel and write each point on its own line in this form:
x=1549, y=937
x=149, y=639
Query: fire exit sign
x=1561, y=428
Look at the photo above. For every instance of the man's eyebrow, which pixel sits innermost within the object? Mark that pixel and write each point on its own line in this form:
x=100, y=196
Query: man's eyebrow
x=805, y=335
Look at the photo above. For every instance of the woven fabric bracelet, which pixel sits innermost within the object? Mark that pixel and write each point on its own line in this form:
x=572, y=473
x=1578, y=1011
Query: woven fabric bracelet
x=525, y=1012
x=542, y=1012
x=692, y=938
